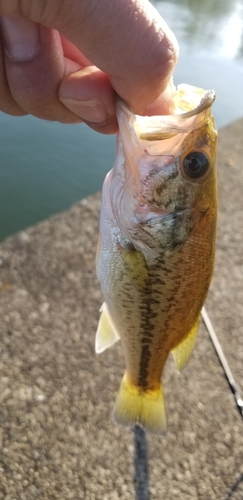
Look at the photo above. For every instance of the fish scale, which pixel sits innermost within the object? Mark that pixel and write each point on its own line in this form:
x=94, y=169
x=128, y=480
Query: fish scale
x=156, y=250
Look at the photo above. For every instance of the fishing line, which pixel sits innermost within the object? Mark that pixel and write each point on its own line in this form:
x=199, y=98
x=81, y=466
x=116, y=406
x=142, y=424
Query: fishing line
x=234, y=387
x=141, y=467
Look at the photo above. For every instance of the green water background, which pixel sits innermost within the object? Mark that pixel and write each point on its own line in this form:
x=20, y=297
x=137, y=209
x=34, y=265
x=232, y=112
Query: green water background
x=46, y=167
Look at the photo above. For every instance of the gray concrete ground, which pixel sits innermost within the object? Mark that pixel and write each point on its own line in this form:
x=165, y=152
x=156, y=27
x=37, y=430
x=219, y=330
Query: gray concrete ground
x=57, y=436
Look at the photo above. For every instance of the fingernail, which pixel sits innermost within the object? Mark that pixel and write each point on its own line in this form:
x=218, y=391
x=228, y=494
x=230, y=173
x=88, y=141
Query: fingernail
x=90, y=111
x=21, y=38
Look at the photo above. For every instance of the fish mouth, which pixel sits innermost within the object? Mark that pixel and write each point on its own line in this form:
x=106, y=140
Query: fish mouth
x=191, y=101
x=192, y=105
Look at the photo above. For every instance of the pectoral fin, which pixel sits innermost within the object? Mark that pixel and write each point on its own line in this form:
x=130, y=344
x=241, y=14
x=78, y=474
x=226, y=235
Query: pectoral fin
x=183, y=351
x=136, y=267
x=106, y=334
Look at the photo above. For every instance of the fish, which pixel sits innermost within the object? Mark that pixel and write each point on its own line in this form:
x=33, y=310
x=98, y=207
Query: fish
x=156, y=247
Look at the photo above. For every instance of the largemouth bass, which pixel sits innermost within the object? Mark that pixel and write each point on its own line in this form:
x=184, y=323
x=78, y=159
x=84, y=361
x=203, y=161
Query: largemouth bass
x=156, y=250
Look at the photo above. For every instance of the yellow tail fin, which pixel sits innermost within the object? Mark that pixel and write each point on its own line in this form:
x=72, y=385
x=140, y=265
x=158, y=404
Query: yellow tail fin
x=146, y=408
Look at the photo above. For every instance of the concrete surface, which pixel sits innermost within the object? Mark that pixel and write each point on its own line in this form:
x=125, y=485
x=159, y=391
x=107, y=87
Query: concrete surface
x=57, y=436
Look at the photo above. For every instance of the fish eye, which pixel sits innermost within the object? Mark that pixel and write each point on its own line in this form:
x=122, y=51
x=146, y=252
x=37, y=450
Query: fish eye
x=195, y=165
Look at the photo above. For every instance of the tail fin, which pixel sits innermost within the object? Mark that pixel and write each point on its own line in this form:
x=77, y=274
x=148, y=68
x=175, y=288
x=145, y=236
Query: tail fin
x=147, y=408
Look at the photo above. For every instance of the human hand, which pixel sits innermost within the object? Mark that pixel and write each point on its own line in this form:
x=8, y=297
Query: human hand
x=66, y=60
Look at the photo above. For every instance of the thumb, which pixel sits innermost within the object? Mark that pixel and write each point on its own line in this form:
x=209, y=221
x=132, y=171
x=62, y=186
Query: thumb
x=127, y=39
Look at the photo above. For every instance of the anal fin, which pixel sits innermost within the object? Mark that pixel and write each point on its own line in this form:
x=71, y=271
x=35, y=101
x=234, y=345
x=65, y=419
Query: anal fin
x=183, y=350
x=106, y=334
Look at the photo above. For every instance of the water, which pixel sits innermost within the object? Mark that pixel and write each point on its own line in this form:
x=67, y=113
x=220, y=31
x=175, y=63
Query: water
x=210, y=36
x=46, y=167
